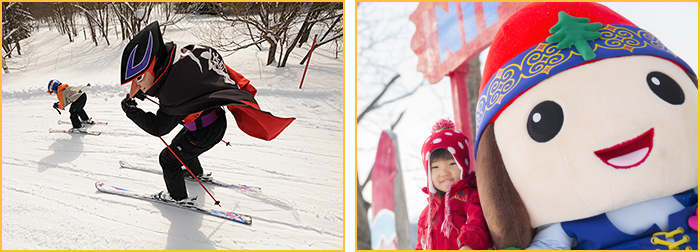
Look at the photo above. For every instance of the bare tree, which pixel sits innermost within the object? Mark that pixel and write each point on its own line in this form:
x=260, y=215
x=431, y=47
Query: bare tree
x=132, y=16
x=97, y=15
x=318, y=12
x=338, y=34
x=16, y=26
x=380, y=87
x=364, y=234
x=58, y=15
x=176, y=12
x=279, y=25
x=269, y=21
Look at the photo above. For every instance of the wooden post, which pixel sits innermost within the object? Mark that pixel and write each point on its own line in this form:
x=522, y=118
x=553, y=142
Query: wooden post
x=403, y=228
x=460, y=103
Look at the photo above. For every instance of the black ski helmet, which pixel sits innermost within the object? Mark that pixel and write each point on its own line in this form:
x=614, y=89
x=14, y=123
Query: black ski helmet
x=144, y=49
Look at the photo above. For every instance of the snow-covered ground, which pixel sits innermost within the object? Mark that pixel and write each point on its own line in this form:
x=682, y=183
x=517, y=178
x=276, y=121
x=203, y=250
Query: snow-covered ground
x=49, y=200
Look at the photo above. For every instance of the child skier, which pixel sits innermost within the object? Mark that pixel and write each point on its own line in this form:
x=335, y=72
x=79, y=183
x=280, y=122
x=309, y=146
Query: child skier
x=191, y=83
x=453, y=218
x=76, y=98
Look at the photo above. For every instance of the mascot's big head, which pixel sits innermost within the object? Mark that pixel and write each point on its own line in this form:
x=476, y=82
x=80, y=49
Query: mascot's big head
x=581, y=112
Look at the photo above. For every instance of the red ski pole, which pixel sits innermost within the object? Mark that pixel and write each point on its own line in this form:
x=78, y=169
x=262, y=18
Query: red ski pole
x=307, y=62
x=152, y=100
x=216, y=202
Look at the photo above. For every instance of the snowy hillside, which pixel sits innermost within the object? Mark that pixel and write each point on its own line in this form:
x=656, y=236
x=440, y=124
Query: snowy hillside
x=49, y=200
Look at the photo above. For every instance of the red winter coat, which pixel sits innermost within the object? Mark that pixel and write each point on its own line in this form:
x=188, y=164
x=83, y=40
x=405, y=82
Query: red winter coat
x=467, y=217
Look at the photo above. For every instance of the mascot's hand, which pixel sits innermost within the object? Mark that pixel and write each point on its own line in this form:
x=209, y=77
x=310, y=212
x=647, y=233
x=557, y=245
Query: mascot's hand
x=128, y=103
x=693, y=221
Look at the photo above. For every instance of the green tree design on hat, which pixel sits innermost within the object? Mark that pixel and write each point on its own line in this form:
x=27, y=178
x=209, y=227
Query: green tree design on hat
x=575, y=31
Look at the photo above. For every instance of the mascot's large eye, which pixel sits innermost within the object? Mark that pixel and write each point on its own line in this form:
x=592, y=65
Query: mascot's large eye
x=545, y=121
x=665, y=88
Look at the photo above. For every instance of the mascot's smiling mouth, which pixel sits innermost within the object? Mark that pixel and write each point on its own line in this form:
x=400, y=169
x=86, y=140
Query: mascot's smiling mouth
x=630, y=153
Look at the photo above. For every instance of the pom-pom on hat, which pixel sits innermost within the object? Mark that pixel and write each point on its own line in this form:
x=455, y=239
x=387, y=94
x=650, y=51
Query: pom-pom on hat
x=543, y=39
x=444, y=136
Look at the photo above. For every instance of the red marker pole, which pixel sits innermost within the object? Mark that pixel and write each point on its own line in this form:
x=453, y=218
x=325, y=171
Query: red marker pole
x=307, y=61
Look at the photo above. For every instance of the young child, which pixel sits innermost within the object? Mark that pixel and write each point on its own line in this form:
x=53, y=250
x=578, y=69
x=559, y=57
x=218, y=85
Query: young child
x=73, y=96
x=453, y=218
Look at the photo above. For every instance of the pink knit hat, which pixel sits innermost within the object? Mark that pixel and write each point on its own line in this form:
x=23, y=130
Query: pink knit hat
x=445, y=136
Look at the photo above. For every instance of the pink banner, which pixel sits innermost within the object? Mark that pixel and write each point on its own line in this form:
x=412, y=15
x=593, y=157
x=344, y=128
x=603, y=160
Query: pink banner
x=383, y=174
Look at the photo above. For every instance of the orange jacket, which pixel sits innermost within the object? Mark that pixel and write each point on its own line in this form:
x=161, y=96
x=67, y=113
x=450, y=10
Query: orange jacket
x=67, y=95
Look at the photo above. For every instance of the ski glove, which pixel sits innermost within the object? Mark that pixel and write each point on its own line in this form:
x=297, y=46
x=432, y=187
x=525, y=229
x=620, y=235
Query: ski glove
x=140, y=95
x=55, y=106
x=128, y=103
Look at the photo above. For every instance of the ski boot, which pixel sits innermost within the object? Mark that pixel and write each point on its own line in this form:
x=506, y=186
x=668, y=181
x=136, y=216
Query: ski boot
x=88, y=121
x=206, y=177
x=82, y=129
x=186, y=202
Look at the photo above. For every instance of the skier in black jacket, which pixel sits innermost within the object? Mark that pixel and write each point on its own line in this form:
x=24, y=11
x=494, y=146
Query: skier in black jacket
x=192, y=84
x=187, y=144
x=202, y=130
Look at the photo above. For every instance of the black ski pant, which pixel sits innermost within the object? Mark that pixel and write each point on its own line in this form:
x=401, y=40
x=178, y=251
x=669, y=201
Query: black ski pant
x=188, y=145
x=76, y=110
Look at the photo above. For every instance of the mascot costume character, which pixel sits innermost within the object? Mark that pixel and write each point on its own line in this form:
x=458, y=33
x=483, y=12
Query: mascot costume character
x=586, y=134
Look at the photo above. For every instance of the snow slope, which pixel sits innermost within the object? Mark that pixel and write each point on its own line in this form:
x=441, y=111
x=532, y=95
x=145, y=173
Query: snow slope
x=48, y=196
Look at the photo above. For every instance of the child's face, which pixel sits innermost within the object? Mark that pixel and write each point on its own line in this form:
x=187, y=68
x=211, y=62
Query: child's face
x=443, y=173
x=143, y=82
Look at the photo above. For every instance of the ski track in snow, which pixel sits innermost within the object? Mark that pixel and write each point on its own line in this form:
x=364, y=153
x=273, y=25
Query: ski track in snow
x=49, y=199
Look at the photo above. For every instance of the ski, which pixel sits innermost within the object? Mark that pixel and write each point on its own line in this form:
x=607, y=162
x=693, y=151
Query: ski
x=93, y=122
x=208, y=180
x=229, y=215
x=87, y=132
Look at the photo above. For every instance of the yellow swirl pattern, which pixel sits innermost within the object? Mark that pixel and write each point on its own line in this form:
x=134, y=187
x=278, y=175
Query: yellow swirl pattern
x=546, y=56
x=615, y=37
x=541, y=59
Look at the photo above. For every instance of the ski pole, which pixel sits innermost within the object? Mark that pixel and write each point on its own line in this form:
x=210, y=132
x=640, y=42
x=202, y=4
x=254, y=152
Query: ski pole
x=307, y=63
x=227, y=143
x=216, y=202
x=152, y=100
